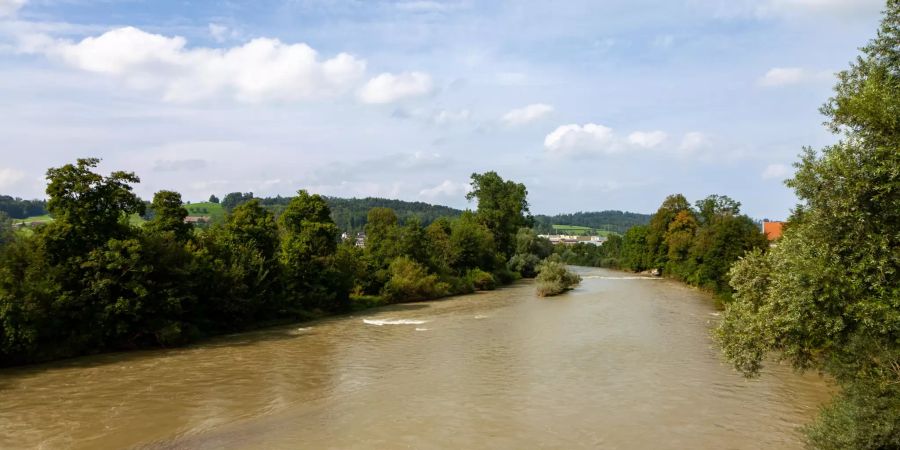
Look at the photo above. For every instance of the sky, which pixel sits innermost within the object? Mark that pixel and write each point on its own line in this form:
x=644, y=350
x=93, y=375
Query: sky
x=593, y=105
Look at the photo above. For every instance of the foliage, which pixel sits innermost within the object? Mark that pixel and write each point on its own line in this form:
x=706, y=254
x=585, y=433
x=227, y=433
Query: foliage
x=410, y=281
x=502, y=208
x=828, y=296
x=554, y=278
x=95, y=279
x=697, y=246
x=612, y=221
x=18, y=208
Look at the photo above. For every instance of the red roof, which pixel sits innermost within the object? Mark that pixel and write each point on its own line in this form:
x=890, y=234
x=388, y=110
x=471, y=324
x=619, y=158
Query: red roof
x=772, y=229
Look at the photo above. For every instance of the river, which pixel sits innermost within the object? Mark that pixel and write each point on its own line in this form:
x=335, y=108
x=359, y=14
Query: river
x=620, y=362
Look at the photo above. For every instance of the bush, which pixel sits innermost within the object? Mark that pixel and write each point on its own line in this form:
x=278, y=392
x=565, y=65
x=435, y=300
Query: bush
x=481, y=280
x=554, y=279
x=410, y=281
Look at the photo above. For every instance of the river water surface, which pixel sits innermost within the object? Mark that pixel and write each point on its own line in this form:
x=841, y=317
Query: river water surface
x=620, y=362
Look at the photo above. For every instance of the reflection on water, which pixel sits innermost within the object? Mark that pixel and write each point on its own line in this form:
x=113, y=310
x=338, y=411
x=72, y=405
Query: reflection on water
x=620, y=362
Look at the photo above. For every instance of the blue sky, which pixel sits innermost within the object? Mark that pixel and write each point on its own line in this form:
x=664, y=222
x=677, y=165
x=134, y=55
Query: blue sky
x=592, y=104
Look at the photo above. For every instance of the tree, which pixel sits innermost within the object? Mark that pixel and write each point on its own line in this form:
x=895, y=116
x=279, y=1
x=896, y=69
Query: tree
x=502, y=207
x=659, y=225
x=213, y=198
x=169, y=215
x=234, y=199
x=828, y=296
x=88, y=208
x=308, y=247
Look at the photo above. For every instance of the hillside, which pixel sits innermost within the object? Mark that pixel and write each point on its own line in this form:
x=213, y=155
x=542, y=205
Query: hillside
x=614, y=221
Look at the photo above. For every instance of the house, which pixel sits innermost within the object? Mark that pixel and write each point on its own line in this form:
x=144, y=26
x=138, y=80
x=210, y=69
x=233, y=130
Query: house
x=197, y=220
x=772, y=230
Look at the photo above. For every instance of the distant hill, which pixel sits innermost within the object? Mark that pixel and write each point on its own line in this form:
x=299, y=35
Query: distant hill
x=614, y=221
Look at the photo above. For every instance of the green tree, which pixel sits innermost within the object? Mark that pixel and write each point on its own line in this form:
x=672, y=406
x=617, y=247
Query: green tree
x=827, y=297
x=502, y=207
x=169, y=214
x=308, y=249
x=659, y=226
x=213, y=198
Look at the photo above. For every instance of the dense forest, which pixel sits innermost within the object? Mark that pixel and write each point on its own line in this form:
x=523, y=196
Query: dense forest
x=615, y=221
x=91, y=280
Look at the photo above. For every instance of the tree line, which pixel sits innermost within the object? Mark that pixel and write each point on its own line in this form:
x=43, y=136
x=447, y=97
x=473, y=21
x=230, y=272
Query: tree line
x=90, y=281
x=615, y=221
x=695, y=243
x=17, y=208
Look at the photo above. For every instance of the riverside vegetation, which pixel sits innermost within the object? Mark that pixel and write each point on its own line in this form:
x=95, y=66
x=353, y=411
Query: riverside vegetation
x=92, y=281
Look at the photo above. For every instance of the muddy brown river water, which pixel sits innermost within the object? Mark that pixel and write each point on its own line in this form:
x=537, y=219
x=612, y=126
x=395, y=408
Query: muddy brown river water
x=620, y=362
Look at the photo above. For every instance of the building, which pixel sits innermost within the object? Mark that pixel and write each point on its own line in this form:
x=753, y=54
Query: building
x=772, y=230
x=557, y=239
x=197, y=220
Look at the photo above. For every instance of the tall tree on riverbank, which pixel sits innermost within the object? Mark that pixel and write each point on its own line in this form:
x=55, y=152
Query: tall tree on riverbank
x=828, y=296
x=502, y=207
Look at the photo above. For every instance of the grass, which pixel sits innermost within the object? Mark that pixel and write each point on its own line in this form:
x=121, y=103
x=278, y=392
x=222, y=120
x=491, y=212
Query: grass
x=212, y=210
x=44, y=218
x=577, y=230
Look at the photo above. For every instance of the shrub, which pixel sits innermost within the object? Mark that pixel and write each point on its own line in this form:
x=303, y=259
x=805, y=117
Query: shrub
x=481, y=280
x=410, y=281
x=554, y=279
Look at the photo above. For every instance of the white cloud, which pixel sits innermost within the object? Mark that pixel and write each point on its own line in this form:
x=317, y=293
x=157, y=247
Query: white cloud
x=693, y=142
x=8, y=8
x=10, y=177
x=389, y=88
x=447, y=189
x=591, y=138
x=778, y=171
x=526, y=114
x=647, y=139
x=259, y=70
x=576, y=139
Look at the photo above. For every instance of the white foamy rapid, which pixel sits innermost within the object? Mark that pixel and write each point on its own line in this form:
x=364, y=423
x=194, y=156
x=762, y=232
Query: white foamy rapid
x=598, y=277
x=381, y=322
x=421, y=329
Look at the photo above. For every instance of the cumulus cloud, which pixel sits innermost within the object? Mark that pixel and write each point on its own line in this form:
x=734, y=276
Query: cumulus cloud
x=647, y=139
x=10, y=177
x=587, y=138
x=592, y=138
x=526, y=114
x=259, y=70
x=8, y=8
x=389, y=88
x=447, y=189
x=777, y=171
